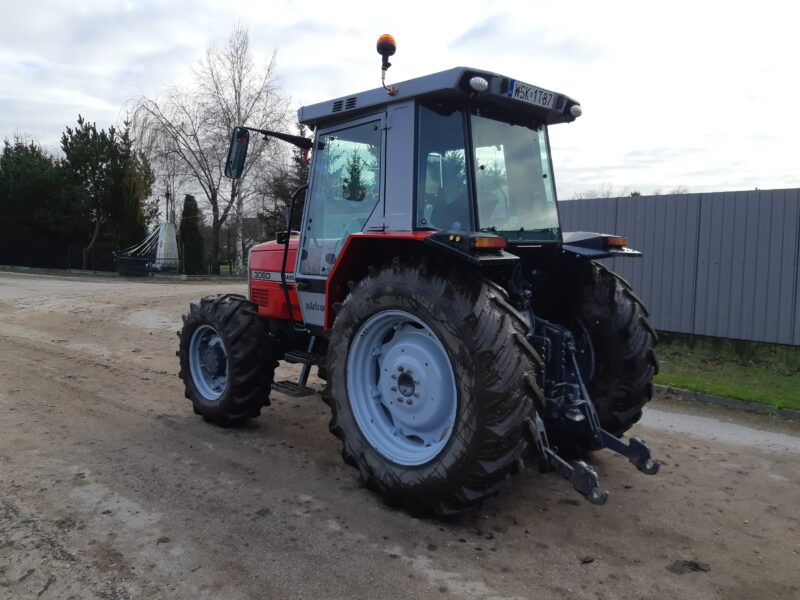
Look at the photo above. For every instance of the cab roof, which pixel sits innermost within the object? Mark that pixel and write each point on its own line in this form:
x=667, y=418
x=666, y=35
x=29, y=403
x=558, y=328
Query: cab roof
x=519, y=100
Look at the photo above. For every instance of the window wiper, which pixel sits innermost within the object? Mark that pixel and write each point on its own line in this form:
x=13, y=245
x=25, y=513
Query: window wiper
x=542, y=230
x=551, y=230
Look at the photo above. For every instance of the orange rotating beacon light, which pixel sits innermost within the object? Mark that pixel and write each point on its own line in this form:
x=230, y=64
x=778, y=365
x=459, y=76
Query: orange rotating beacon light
x=386, y=48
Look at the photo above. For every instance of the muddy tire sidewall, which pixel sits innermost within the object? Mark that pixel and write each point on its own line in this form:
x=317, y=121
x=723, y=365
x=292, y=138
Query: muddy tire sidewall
x=487, y=438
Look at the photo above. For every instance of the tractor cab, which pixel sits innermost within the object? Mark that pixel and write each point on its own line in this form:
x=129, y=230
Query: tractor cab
x=469, y=152
x=462, y=151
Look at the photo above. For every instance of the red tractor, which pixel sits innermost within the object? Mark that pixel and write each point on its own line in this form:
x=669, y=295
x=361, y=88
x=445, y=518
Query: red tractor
x=459, y=331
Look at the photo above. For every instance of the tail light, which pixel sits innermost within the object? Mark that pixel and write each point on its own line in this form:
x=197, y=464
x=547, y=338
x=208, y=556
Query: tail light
x=489, y=242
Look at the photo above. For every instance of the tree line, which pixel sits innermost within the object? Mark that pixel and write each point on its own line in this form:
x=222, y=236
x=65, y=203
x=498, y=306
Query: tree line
x=97, y=191
x=607, y=190
x=108, y=186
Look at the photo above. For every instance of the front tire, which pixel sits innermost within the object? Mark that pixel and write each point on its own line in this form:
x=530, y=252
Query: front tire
x=226, y=358
x=472, y=386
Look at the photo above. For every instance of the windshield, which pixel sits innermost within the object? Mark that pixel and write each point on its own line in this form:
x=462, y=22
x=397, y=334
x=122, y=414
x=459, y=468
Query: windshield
x=514, y=182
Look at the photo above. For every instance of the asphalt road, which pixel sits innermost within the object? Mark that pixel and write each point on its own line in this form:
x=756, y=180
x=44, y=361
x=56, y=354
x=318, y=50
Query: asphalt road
x=110, y=487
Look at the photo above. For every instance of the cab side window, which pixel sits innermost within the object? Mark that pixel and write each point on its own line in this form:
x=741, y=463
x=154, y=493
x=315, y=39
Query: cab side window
x=345, y=188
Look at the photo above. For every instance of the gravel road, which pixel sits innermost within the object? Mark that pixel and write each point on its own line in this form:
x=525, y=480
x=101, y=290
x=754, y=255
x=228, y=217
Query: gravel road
x=110, y=487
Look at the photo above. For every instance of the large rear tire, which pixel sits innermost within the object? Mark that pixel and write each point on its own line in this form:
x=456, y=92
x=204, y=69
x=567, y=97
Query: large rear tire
x=227, y=359
x=622, y=341
x=431, y=380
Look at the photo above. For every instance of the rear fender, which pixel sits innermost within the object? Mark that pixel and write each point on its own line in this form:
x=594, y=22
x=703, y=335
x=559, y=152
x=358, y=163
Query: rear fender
x=359, y=252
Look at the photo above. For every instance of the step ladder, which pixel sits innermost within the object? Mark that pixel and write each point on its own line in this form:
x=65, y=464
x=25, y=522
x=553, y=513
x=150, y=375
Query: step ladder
x=308, y=358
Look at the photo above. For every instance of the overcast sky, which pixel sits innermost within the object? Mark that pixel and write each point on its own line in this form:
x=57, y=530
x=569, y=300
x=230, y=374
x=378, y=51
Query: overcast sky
x=701, y=94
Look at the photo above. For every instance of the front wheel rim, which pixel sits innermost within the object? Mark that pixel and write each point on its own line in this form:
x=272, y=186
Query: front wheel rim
x=208, y=362
x=401, y=387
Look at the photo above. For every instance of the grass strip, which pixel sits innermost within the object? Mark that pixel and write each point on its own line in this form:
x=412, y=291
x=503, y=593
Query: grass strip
x=764, y=373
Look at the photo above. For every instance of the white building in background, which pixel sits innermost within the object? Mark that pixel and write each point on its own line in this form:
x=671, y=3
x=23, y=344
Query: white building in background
x=166, y=248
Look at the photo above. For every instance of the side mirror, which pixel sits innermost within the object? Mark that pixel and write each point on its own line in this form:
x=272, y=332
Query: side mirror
x=237, y=153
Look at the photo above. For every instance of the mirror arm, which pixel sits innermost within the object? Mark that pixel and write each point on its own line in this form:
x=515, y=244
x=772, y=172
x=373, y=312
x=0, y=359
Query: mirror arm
x=296, y=140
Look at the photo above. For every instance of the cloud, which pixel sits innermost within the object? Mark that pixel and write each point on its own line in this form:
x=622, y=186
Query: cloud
x=487, y=31
x=505, y=34
x=300, y=30
x=90, y=58
x=652, y=156
x=666, y=99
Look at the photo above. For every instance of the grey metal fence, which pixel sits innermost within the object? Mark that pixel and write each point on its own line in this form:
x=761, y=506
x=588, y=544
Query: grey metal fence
x=721, y=264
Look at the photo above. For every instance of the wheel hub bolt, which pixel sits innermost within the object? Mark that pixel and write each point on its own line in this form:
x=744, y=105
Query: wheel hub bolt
x=401, y=368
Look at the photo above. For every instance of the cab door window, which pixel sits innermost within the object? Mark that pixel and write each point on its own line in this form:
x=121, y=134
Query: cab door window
x=345, y=189
x=442, y=190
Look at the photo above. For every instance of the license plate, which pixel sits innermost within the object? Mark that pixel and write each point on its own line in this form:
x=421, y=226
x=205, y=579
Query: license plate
x=531, y=94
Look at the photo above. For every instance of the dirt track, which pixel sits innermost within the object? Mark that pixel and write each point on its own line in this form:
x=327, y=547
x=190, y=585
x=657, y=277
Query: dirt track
x=110, y=487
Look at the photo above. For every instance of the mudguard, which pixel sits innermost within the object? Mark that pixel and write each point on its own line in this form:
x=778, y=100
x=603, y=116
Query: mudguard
x=594, y=245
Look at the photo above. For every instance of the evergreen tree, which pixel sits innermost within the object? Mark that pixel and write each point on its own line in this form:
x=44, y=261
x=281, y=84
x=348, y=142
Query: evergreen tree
x=115, y=182
x=189, y=238
x=37, y=202
x=89, y=155
x=353, y=186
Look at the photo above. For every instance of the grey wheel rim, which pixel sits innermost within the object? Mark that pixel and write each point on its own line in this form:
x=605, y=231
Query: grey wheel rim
x=401, y=387
x=208, y=362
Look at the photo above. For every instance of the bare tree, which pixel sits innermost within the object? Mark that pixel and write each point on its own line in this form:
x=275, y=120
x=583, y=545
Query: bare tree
x=604, y=190
x=193, y=126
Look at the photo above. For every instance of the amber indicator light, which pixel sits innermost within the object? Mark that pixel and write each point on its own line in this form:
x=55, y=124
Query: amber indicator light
x=616, y=241
x=489, y=242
